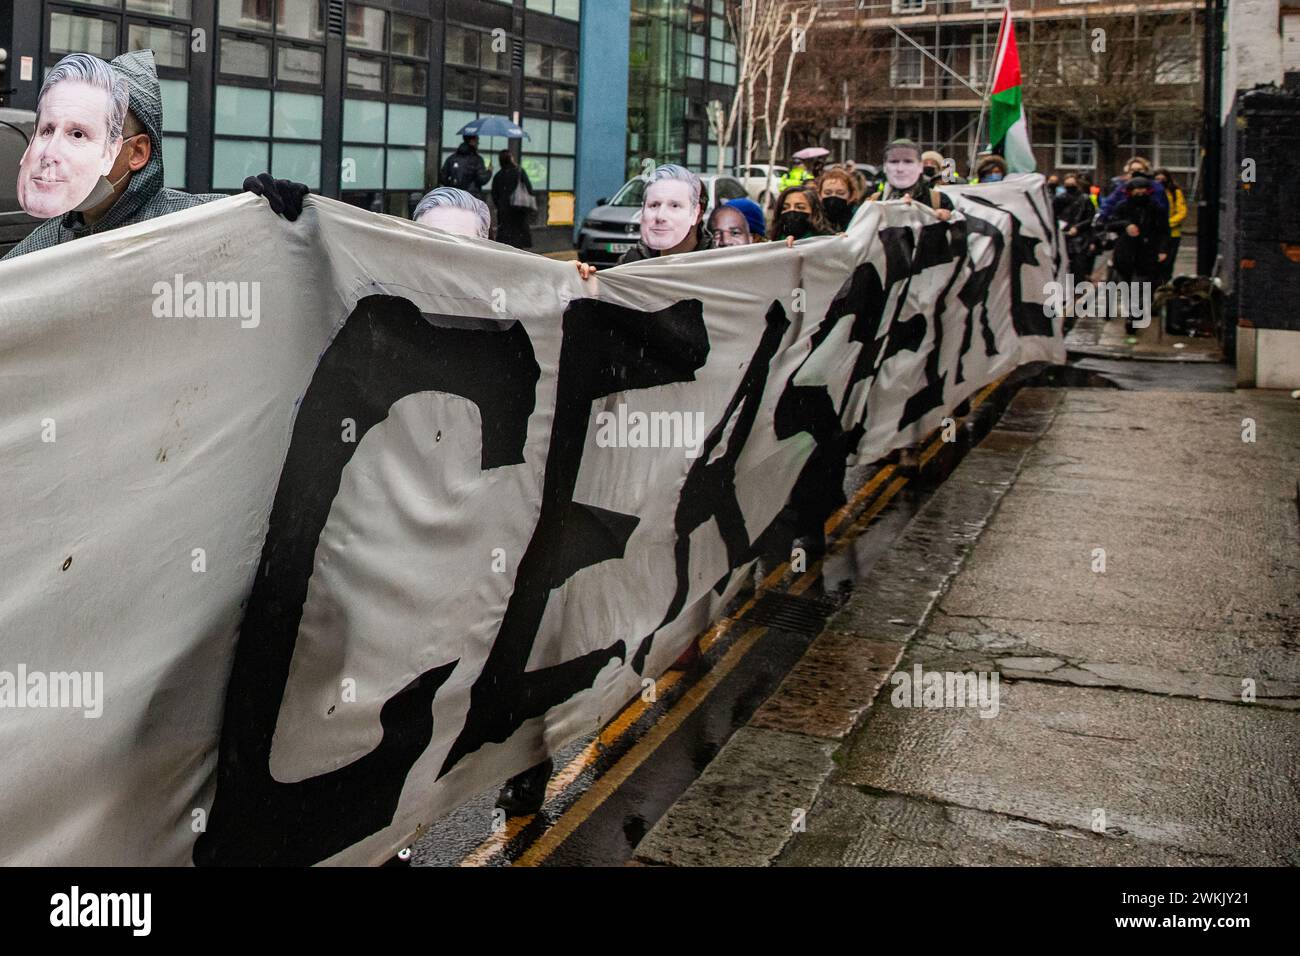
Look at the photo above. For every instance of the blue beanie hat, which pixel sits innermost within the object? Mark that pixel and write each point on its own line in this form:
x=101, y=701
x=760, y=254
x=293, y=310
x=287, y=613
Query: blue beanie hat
x=753, y=214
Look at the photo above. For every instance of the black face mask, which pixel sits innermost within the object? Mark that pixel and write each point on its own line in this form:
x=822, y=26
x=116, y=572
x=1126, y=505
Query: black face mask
x=930, y=171
x=1072, y=190
x=1139, y=200
x=838, y=211
x=793, y=224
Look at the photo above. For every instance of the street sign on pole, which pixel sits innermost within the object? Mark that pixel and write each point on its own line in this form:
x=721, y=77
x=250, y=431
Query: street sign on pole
x=841, y=132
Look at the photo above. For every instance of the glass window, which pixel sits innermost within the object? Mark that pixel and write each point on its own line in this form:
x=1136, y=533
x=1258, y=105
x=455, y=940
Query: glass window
x=562, y=138
x=452, y=121
x=71, y=33
x=169, y=45
x=245, y=15
x=362, y=167
x=494, y=91
x=296, y=64
x=176, y=105
x=299, y=162
x=561, y=173
x=234, y=160
x=297, y=115
x=536, y=168
x=538, y=60
x=365, y=73
x=565, y=101
x=173, y=148
x=407, y=124
x=302, y=19
x=405, y=169
x=241, y=111
x=569, y=9
x=566, y=66
x=180, y=9
x=539, y=135
x=462, y=46
x=363, y=121
x=410, y=36
x=240, y=57
x=366, y=27
x=461, y=86
x=537, y=98
x=494, y=52
x=410, y=79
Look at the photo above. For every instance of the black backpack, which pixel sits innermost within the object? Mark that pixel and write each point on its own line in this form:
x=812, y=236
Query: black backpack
x=456, y=171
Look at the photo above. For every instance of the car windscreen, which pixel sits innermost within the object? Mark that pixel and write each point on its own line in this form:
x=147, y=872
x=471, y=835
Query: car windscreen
x=632, y=193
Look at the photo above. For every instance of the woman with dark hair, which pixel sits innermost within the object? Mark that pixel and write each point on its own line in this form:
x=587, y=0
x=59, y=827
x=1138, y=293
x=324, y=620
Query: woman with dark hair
x=512, y=220
x=799, y=215
x=1177, y=213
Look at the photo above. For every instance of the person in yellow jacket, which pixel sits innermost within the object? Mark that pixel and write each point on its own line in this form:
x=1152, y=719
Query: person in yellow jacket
x=1177, y=213
x=797, y=176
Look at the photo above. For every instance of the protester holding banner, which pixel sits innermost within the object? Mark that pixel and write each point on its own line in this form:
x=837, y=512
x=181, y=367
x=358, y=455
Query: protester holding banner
x=754, y=217
x=84, y=181
x=905, y=179
x=729, y=227
x=672, y=217
x=799, y=215
x=839, y=196
x=455, y=211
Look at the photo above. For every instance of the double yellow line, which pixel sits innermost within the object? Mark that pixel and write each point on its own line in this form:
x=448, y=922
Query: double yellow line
x=613, y=778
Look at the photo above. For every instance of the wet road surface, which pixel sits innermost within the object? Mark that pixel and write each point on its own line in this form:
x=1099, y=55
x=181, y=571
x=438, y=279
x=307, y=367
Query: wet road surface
x=609, y=789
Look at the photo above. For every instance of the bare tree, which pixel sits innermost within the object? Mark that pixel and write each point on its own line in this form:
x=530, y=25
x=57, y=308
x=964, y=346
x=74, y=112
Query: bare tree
x=1109, y=76
x=764, y=29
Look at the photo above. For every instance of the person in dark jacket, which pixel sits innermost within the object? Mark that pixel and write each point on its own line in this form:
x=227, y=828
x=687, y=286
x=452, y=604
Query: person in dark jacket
x=137, y=174
x=1137, y=166
x=512, y=220
x=1075, y=211
x=1143, y=241
x=799, y=215
x=465, y=169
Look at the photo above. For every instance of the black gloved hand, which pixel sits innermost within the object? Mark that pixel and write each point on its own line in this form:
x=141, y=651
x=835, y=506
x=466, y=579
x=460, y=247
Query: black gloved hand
x=284, y=195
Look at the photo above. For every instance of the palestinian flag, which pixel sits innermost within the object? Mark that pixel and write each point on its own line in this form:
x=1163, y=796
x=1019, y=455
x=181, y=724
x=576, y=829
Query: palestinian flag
x=1008, y=131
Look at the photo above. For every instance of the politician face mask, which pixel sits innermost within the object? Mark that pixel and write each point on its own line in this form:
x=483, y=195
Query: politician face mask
x=70, y=154
x=669, y=212
x=903, y=169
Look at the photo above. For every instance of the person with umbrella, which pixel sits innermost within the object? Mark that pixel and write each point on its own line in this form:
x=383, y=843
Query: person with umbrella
x=465, y=169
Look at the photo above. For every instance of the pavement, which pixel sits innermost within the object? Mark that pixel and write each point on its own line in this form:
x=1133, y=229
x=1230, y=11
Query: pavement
x=1126, y=567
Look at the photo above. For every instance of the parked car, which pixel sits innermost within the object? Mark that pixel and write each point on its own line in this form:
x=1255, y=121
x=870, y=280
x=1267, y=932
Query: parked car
x=760, y=184
x=15, y=132
x=614, y=226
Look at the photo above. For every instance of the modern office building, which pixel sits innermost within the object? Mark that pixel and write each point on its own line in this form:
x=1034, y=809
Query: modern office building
x=681, y=58
x=361, y=101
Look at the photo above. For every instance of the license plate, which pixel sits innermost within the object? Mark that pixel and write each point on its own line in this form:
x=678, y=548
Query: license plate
x=619, y=247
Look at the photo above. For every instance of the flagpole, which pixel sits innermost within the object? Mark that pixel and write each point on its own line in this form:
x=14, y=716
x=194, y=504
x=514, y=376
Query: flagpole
x=988, y=85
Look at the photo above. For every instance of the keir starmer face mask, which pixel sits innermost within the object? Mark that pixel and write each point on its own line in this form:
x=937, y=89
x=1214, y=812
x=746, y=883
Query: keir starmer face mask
x=70, y=152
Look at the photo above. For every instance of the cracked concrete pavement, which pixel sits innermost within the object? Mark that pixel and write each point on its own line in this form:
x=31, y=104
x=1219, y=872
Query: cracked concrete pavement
x=1127, y=566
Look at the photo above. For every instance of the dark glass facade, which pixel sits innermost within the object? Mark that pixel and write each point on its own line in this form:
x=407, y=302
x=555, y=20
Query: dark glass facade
x=359, y=100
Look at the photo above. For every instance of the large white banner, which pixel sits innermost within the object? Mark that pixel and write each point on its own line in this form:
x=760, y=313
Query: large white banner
x=314, y=530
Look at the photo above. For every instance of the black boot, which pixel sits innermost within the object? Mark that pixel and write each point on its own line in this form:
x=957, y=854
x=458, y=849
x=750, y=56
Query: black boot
x=525, y=793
